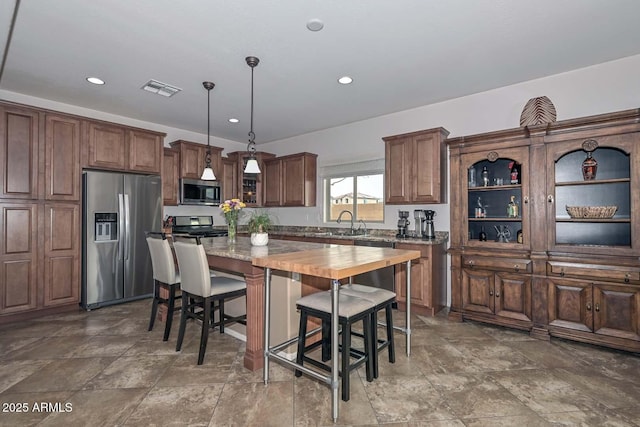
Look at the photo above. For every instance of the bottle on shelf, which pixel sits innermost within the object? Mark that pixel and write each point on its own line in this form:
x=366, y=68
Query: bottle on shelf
x=513, y=210
x=589, y=167
x=514, y=174
x=482, y=236
x=485, y=177
x=479, y=210
x=472, y=176
x=519, y=236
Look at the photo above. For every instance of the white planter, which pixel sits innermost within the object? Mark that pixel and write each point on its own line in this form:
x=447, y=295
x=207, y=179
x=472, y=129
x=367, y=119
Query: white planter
x=259, y=239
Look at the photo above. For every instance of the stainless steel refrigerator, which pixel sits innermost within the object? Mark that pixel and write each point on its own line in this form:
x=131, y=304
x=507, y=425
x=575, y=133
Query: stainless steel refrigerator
x=117, y=210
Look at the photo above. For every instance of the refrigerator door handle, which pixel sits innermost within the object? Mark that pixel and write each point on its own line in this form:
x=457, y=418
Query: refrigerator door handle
x=121, y=215
x=127, y=227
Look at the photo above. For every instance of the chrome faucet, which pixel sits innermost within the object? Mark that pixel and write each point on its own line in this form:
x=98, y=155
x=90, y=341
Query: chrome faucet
x=339, y=220
x=365, y=227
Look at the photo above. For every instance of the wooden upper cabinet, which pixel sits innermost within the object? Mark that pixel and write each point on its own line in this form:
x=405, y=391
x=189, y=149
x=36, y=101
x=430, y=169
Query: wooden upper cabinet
x=416, y=167
x=229, y=178
x=19, y=136
x=62, y=158
x=272, y=182
x=170, y=176
x=290, y=180
x=193, y=158
x=120, y=148
x=145, y=152
x=299, y=179
x=106, y=146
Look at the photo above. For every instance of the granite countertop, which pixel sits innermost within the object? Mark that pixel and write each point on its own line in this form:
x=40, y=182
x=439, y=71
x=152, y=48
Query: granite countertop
x=242, y=249
x=342, y=233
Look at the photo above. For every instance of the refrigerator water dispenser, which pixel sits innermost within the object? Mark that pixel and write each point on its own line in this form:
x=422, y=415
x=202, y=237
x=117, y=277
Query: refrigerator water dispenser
x=106, y=226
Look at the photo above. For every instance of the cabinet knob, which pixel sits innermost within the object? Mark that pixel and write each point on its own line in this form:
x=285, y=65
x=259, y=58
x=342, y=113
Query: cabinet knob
x=526, y=199
x=627, y=278
x=588, y=306
x=562, y=272
x=597, y=307
x=490, y=292
x=516, y=267
x=550, y=198
x=471, y=263
x=498, y=294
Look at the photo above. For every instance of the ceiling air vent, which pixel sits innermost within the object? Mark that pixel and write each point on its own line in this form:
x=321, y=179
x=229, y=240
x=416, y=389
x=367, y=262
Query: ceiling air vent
x=160, y=88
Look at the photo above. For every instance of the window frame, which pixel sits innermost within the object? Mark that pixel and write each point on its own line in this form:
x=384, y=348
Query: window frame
x=326, y=200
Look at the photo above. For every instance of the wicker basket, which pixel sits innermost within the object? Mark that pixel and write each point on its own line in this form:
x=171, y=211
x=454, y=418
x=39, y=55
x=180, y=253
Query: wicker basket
x=591, y=212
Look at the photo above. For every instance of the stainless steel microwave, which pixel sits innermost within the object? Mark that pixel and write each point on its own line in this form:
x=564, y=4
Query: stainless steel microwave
x=196, y=192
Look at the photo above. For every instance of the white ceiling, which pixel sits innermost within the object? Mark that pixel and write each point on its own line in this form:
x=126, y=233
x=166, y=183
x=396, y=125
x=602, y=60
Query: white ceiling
x=401, y=53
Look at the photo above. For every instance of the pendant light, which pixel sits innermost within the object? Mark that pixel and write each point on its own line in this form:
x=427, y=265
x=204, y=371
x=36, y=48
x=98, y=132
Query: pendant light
x=207, y=174
x=252, y=163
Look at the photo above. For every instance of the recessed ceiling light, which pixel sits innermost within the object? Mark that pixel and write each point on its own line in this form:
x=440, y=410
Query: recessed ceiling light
x=345, y=80
x=232, y=120
x=315, y=24
x=95, y=80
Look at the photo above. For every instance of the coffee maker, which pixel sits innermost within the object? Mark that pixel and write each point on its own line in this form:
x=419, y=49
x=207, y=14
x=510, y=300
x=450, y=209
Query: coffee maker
x=403, y=224
x=429, y=230
x=419, y=217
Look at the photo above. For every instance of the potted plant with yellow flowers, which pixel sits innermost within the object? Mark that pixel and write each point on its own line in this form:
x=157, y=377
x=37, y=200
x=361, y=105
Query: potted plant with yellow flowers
x=259, y=225
x=231, y=211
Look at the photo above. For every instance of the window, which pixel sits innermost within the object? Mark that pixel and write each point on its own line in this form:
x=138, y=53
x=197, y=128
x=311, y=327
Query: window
x=361, y=194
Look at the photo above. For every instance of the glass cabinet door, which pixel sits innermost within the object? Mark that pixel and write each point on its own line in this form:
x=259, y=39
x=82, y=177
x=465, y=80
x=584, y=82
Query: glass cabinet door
x=497, y=198
x=590, y=204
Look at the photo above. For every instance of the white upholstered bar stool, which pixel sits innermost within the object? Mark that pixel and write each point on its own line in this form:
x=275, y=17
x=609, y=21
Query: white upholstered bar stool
x=383, y=299
x=164, y=276
x=200, y=292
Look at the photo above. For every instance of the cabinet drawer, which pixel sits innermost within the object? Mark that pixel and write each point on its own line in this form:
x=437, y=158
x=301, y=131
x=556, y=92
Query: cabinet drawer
x=517, y=265
x=596, y=271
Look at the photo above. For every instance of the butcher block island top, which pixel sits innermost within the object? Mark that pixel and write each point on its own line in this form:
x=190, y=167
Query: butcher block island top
x=336, y=261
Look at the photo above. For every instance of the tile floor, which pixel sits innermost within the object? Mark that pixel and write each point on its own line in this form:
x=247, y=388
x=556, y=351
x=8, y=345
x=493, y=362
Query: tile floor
x=103, y=368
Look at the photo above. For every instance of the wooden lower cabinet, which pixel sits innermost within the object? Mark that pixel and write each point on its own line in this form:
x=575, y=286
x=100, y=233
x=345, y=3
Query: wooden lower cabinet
x=18, y=257
x=39, y=257
x=605, y=313
x=428, y=279
x=62, y=254
x=502, y=297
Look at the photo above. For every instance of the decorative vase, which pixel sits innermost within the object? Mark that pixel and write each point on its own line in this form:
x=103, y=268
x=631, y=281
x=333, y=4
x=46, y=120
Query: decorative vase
x=231, y=230
x=259, y=239
x=589, y=167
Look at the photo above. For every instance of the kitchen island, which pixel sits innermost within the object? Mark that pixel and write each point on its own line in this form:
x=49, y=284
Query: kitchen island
x=237, y=259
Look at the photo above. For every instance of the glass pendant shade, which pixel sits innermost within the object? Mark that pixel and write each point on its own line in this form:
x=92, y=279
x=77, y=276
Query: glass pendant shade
x=252, y=166
x=207, y=174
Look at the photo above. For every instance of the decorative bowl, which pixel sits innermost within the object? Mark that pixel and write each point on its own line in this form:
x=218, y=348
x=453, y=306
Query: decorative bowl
x=591, y=212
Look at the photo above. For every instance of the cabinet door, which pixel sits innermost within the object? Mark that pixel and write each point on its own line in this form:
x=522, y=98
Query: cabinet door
x=62, y=158
x=61, y=254
x=570, y=304
x=397, y=179
x=192, y=160
x=419, y=280
x=299, y=180
x=429, y=184
x=478, y=290
x=18, y=257
x=170, y=178
x=229, y=177
x=616, y=310
x=272, y=182
x=106, y=146
x=145, y=152
x=19, y=135
x=513, y=296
